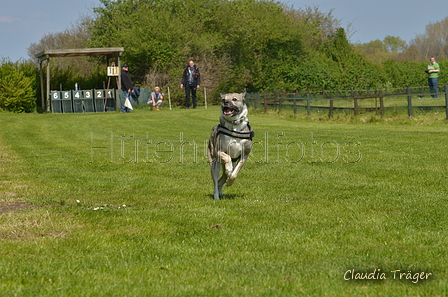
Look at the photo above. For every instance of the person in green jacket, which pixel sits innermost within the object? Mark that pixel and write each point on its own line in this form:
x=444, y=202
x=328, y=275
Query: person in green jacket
x=433, y=77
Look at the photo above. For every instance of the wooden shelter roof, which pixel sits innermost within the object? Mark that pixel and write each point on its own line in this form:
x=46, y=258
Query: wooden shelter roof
x=105, y=51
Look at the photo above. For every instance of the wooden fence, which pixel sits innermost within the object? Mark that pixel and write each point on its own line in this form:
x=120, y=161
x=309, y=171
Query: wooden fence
x=352, y=101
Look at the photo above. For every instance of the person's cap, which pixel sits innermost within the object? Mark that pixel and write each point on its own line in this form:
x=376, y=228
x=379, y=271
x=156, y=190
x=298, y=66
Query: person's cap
x=125, y=65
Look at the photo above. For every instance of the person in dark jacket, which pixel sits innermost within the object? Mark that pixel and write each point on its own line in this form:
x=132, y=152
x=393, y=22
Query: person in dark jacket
x=126, y=87
x=191, y=80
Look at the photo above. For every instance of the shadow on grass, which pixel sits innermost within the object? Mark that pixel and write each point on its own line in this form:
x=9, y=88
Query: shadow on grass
x=227, y=196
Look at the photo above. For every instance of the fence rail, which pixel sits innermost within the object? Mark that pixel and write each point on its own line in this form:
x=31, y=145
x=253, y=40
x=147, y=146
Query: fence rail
x=353, y=101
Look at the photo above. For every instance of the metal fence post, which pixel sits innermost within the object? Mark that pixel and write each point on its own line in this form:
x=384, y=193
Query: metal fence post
x=409, y=102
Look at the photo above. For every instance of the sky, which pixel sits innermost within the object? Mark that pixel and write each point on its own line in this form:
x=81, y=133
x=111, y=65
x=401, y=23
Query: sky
x=23, y=22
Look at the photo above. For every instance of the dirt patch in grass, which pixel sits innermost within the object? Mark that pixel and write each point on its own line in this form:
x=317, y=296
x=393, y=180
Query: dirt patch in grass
x=23, y=235
x=14, y=206
x=22, y=221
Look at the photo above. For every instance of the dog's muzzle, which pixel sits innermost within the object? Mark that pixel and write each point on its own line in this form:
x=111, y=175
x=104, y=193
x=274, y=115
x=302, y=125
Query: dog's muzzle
x=228, y=109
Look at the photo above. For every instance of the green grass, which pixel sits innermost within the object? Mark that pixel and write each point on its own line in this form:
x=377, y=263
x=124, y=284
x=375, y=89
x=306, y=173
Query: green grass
x=316, y=199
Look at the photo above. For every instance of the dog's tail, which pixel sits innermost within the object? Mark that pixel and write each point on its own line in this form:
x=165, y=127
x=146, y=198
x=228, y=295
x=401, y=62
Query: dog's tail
x=211, y=152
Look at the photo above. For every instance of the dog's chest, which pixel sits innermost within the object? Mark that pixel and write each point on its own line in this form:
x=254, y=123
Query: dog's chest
x=232, y=146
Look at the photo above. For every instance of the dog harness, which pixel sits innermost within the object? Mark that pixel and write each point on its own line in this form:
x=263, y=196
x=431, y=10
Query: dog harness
x=236, y=134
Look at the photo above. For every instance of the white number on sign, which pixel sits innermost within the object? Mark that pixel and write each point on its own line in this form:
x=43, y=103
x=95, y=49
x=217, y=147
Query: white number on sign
x=99, y=94
x=87, y=94
x=55, y=96
x=77, y=95
x=66, y=95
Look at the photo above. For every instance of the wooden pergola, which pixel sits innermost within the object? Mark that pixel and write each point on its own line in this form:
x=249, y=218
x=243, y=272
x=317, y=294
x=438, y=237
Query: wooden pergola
x=109, y=52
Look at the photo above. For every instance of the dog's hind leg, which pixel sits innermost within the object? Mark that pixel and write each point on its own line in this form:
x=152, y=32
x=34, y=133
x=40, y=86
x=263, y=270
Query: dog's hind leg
x=215, y=167
x=221, y=182
x=227, y=167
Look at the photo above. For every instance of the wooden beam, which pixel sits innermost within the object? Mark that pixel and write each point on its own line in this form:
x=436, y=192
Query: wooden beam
x=113, y=51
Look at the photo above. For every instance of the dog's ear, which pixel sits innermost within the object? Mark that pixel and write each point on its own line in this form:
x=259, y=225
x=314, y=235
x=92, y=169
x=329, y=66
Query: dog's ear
x=243, y=94
x=222, y=95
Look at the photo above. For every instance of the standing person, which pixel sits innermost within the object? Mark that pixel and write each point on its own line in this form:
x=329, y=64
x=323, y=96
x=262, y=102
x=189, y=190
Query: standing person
x=126, y=87
x=433, y=77
x=191, y=80
x=156, y=99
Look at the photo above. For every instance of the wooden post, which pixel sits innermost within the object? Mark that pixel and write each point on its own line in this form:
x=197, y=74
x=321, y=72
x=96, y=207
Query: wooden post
x=265, y=104
x=381, y=102
x=355, y=104
x=409, y=102
x=331, y=108
x=308, y=103
x=205, y=97
x=280, y=101
x=375, y=99
x=48, y=85
x=295, y=101
x=257, y=97
x=169, y=97
x=42, y=91
x=119, y=92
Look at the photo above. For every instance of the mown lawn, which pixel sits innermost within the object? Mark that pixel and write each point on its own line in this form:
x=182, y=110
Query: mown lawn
x=121, y=205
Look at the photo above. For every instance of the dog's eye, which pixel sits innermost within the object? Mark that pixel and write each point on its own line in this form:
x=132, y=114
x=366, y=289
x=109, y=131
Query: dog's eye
x=234, y=99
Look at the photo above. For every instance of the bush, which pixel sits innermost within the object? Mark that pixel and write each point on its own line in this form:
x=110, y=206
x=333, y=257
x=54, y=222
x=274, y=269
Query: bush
x=17, y=92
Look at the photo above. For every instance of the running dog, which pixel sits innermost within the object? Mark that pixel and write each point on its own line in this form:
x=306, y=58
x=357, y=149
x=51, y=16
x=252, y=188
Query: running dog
x=230, y=142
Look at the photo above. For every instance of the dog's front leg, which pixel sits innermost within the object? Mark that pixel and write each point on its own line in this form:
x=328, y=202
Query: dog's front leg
x=227, y=164
x=244, y=155
x=235, y=172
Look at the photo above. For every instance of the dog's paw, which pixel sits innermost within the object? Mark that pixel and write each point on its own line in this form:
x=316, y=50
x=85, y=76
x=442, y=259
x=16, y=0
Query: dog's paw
x=230, y=181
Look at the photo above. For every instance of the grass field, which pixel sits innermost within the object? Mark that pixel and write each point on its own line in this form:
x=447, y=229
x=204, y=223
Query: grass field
x=121, y=205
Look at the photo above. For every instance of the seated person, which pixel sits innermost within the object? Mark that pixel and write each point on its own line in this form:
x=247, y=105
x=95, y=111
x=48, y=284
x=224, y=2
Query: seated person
x=156, y=99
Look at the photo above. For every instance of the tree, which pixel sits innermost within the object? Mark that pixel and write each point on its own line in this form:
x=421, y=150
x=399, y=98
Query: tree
x=73, y=37
x=17, y=92
x=350, y=68
x=393, y=44
x=434, y=42
x=237, y=44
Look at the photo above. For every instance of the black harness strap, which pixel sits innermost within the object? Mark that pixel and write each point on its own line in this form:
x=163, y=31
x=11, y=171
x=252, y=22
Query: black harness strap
x=236, y=134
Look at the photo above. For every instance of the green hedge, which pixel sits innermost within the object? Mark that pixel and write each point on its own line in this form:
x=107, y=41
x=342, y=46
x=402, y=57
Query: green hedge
x=17, y=89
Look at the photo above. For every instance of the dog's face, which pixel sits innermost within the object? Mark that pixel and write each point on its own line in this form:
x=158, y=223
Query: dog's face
x=232, y=104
